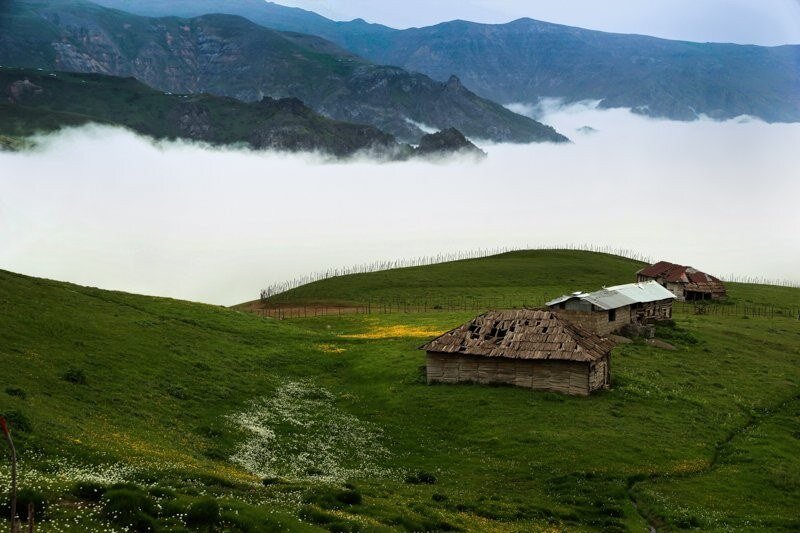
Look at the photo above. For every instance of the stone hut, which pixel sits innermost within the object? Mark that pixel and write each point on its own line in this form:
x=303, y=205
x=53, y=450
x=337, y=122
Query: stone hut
x=611, y=309
x=536, y=349
x=686, y=283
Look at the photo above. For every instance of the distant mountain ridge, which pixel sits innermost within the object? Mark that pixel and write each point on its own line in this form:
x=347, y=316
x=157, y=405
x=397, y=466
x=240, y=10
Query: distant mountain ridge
x=230, y=56
x=39, y=102
x=33, y=101
x=526, y=60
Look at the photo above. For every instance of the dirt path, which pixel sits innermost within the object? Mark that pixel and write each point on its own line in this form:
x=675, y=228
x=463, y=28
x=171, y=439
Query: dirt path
x=654, y=523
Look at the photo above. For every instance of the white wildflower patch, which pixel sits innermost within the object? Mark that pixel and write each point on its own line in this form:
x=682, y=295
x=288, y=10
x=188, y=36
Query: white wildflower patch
x=300, y=434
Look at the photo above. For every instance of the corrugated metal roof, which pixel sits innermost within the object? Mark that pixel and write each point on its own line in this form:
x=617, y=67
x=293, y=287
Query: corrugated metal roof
x=647, y=292
x=620, y=296
x=562, y=299
x=608, y=299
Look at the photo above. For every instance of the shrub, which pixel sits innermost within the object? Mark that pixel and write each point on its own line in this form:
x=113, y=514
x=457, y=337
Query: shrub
x=89, y=490
x=144, y=523
x=349, y=497
x=17, y=392
x=438, y=497
x=421, y=478
x=162, y=492
x=333, y=498
x=75, y=375
x=331, y=522
x=177, y=392
x=24, y=497
x=203, y=512
x=127, y=506
x=17, y=421
x=269, y=481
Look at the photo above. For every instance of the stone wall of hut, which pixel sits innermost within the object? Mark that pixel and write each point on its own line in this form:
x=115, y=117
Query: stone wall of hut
x=652, y=312
x=566, y=377
x=600, y=374
x=598, y=321
x=676, y=289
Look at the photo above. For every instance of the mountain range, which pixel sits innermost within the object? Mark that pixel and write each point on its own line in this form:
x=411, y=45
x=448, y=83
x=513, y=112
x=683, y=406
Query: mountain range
x=228, y=55
x=37, y=101
x=525, y=60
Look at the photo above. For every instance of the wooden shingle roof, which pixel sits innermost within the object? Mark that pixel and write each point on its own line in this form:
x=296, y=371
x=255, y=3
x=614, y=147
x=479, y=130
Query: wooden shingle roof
x=522, y=334
x=691, y=278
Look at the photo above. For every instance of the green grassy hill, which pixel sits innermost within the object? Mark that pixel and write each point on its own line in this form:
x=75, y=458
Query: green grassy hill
x=191, y=404
x=514, y=279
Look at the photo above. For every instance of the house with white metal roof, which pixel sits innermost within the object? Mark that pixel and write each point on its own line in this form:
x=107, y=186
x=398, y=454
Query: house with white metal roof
x=612, y=308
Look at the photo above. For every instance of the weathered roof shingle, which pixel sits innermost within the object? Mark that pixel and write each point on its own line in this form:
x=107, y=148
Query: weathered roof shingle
x=522, y=334
x=691, y=278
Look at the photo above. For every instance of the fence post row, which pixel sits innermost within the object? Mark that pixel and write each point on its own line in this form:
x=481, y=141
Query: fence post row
x=466, y=303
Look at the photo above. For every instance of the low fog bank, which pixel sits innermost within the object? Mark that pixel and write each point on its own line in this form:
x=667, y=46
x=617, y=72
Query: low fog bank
x=103, y=207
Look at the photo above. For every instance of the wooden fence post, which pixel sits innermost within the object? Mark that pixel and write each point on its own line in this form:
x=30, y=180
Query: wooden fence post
x=30, y=517
x=9, y=440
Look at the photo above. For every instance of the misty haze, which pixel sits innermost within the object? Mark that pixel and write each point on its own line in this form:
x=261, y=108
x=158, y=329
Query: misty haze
x=217, y=224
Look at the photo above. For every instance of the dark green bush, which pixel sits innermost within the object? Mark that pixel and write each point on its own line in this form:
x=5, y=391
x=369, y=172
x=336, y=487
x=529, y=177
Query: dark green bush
x=17, y=421
x=688, y=522
x=203, y=512
x=177, y=392
x=327, y=520
x=144, y=523
x=161, y=492
x=89, y=490
x=75, y=375
x=17, y=392
x=24, y=497
x=438, y=497
x=421, y=478
x=269, y=481
x=350, y=497
x=127, y=506
x=332, y=497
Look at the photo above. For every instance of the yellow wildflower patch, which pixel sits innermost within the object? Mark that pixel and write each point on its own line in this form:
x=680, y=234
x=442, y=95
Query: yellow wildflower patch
x=330, y=348
x=690, y=466
x=394, y=332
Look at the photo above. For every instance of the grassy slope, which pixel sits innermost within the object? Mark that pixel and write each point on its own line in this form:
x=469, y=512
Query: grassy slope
x=511, y=279
x=162, y=375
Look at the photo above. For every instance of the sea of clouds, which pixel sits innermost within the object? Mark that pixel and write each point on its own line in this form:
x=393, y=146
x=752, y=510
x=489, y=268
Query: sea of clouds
x=104, y=207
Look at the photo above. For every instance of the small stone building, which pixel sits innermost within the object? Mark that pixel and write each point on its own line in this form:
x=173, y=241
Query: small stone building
x=686, y=283
x=611, y=309
x=536, y=349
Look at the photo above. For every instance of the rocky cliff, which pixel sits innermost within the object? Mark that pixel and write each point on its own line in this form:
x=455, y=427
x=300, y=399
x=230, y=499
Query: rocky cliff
x=231, y=56
x=527, y=59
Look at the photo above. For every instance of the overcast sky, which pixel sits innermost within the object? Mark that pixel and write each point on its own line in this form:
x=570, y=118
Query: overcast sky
x=767, y=22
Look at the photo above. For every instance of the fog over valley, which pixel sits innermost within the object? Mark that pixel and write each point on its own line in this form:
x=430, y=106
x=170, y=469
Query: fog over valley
x=104, y=207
